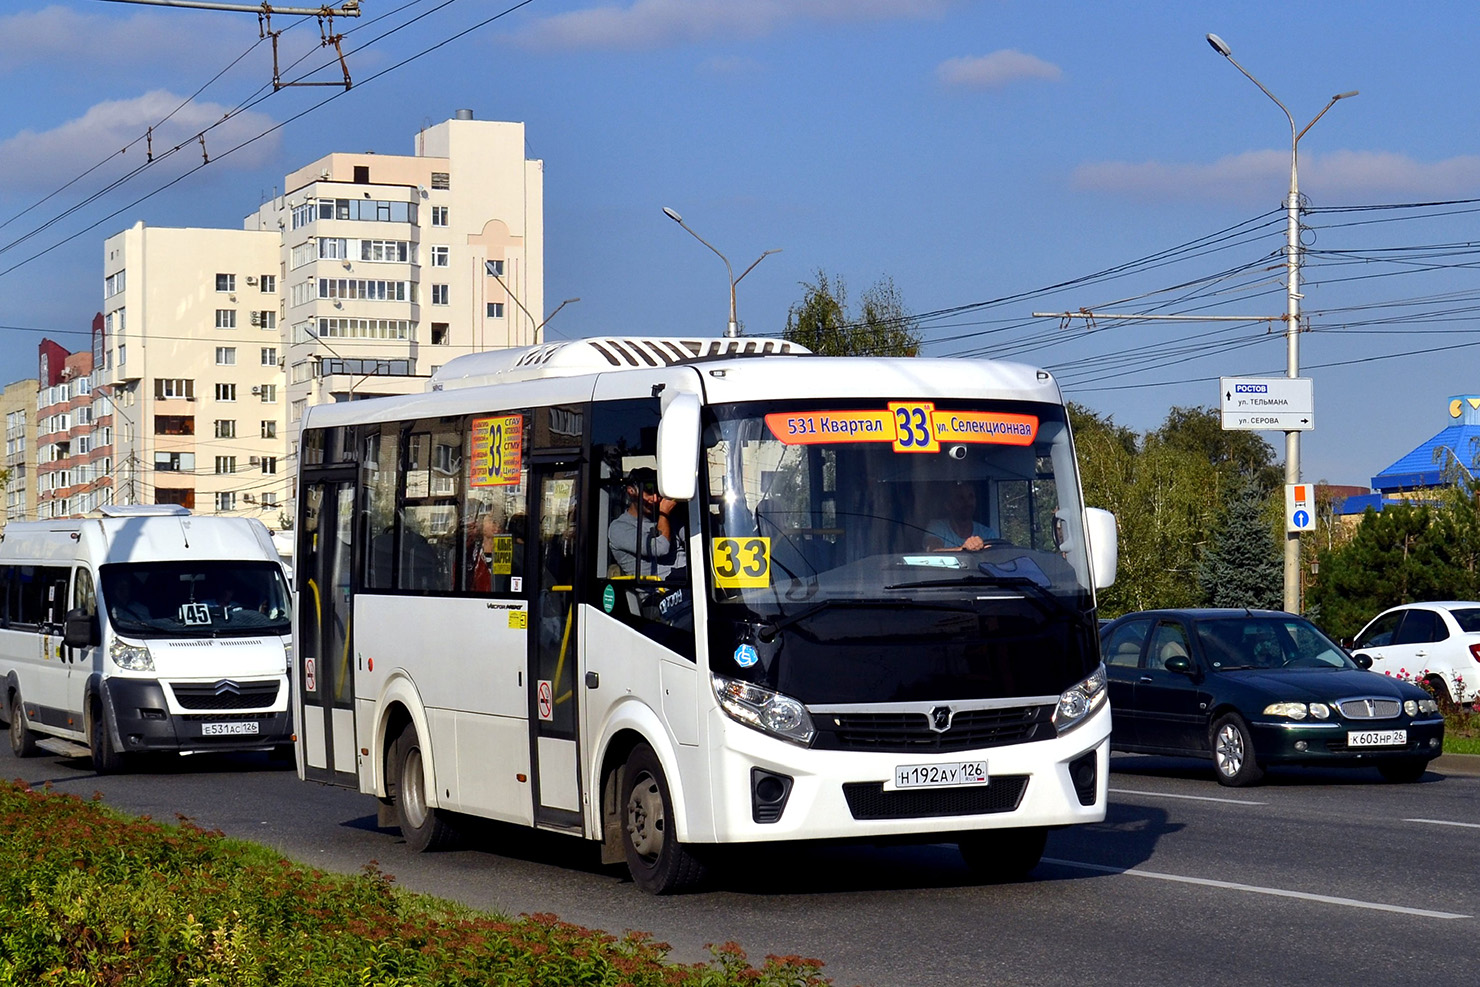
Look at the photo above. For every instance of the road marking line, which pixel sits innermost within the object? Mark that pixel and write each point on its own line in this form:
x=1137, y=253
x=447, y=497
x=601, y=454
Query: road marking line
x=1277, y=892
x=1193, y=798
x=1444, y=822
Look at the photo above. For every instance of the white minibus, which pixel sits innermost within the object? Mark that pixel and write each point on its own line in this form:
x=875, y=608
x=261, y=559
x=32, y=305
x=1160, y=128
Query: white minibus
x=144, y=629
x=671, y=594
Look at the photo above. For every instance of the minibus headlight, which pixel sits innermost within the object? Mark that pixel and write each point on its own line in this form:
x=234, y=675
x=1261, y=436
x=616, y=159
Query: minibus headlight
x=1078, y=701
x=764, y=710
x=133, y=657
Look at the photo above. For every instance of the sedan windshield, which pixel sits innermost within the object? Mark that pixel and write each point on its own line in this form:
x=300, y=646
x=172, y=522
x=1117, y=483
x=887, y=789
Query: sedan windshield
x=196, y=599
x=1268, y=642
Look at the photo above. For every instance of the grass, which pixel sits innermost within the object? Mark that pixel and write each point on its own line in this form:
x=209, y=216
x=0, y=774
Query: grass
x=1461, y=730
x=89, y=896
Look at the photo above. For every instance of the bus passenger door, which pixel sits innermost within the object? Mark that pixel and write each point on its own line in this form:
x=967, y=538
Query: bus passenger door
x=324, y=677
x=553, y=635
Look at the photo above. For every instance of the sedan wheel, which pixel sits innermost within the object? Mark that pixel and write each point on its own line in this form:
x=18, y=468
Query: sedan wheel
x=1233, y=752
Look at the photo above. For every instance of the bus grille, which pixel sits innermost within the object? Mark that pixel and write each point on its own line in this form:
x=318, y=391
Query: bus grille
x=902, y=733
x=225, y=694
x=868, y=800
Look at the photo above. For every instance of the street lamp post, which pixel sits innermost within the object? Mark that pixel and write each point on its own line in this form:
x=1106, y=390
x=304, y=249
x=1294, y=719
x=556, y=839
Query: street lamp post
x=1292, y=315
x=734, y=327
x=551, y=316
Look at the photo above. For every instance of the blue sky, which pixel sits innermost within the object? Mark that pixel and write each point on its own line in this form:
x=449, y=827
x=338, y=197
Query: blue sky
x=975, y=151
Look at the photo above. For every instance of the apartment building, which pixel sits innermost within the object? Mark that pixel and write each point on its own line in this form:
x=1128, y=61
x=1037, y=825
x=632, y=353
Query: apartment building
x=18, y=405
x=74, y=429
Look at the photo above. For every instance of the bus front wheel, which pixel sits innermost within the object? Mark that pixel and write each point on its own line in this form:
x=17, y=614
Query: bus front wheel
x=22, y=740
x=106, y=759
x=658, y=862
x=423, y=827
x=1003, y=855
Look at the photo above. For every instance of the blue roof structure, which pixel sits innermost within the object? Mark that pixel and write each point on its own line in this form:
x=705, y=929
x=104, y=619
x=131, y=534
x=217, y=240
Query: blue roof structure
x=1426, y=465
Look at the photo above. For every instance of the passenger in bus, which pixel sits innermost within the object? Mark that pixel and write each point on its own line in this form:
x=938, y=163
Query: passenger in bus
x=645, y=539
x=959, y=531
x=125, y=606
x=481, y=541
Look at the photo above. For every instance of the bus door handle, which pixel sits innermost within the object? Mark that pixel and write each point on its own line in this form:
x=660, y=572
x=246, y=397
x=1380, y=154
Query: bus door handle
x=593, y=680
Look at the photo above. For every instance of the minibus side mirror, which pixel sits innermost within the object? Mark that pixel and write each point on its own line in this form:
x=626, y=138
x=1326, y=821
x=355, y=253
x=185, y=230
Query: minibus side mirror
x=678, y=448
x=81, y=630
x=1104, y=545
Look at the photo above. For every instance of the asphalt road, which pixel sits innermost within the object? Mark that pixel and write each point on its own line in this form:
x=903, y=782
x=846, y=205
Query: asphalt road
x=1313, y=877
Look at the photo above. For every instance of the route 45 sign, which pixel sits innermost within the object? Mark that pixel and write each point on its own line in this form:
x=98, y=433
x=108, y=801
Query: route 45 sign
x=1300, y=506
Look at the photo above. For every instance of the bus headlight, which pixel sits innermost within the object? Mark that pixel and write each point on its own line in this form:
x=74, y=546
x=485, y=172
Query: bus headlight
x=1078, y=701
x=133, y=657
x=764, y=710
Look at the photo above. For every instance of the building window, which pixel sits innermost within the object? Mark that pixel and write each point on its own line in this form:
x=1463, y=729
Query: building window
x=183, y=496
x=494, y=267
x=174, y=462
x=226, y=356
x=362, y=174
x=269, y=500
x=225, y=392
x=174, y=424
x=266, y=319
x=269, y=464
x=440, y=257
x=439, y=215
x=225, y=318
x=439, y=294
x=167, y=387
x=269, y=283
x=122, y=354
x=225, y=464
x=268, y=393
x=226, y=282
x=269, y=356
x=225, y=428
x=269, y=429
x=298, y=408
x=495, y=310
x=441, y=333
x=398, y=251
x=441, y=180
x=113, y=284
x=226, y=501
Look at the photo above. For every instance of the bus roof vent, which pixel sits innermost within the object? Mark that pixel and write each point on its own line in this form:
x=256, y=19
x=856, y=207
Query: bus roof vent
x=598, y=354
x=143, y=510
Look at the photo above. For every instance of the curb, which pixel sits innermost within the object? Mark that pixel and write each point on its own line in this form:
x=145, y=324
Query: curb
x=1467, y=765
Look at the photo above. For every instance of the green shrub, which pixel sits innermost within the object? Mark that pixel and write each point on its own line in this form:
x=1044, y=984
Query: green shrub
x=90, y=897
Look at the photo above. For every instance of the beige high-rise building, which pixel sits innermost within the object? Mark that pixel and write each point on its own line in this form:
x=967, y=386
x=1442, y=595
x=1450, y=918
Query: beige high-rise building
x=18, y=404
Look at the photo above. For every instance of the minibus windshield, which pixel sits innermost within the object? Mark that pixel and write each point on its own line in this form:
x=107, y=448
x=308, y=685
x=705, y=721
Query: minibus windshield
x=196, y=599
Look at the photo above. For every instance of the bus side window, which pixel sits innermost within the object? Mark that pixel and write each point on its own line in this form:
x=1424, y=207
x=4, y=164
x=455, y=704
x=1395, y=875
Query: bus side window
x=84, y=595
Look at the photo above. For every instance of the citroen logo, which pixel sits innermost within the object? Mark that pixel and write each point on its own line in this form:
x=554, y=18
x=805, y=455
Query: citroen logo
x=940, y=719
x=225, y=686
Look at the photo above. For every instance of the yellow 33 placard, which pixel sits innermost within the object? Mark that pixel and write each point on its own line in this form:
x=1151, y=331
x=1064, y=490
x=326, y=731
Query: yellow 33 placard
x=740, y=562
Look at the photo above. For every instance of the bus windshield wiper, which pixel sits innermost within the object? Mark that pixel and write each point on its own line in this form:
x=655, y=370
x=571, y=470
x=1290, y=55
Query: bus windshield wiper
x=768, y=631
x=1045, y=599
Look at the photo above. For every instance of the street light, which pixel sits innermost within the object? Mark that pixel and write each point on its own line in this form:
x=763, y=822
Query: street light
x=1292, y=316
x=734, y=327
x=551, y=316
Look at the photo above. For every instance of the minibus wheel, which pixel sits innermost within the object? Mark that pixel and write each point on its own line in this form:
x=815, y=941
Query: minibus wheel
x=22, y=740
x=106, y=759
x=1002, y=855
x=659, y=864
x=423, y=827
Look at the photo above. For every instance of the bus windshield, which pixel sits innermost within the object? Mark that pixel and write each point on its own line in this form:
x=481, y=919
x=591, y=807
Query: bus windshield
x=870, y=550
x=196, y=599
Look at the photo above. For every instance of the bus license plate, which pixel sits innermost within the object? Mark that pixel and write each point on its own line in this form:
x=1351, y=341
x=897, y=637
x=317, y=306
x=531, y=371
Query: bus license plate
x=245, y=727
x=952, y=775
x=1376, y=738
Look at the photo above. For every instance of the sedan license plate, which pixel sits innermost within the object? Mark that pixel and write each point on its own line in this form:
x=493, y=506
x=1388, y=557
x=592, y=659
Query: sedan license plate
x=1376, y=738
x=244, y=727
x=953, y=775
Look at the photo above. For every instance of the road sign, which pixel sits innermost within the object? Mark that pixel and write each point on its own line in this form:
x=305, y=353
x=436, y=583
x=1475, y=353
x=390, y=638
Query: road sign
x=1275, y=404
x=1300, y=507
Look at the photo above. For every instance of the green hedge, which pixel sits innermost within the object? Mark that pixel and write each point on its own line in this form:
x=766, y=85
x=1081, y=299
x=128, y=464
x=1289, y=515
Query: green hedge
x=91, y=897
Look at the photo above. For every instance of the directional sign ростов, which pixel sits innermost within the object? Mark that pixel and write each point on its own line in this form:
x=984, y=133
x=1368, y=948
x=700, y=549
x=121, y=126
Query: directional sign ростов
x=1277, y=404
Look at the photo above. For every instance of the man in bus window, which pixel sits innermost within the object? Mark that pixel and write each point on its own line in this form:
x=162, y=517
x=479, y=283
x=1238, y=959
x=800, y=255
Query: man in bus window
x=643, y=539
x=959, y=530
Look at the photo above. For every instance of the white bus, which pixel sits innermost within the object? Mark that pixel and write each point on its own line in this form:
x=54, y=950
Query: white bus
x=145, y=629
x=501, y=617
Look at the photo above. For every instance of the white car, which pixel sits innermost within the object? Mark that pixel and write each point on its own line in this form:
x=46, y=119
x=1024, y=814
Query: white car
x=1437, y=643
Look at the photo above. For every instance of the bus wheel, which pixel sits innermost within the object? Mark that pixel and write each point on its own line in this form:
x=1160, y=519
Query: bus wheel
x=1002, y=855
x=106, y=759
x=424, y=827
x=22, y=740
x=658, y=862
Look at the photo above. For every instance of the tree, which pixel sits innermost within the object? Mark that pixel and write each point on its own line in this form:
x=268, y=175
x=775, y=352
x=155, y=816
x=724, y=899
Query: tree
x=1235, y=453
x=1243, y=567
x=821, y=322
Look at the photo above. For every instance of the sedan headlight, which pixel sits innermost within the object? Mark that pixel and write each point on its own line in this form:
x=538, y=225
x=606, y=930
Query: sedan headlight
x=133, y=657
x=1292, y=711
x=1078, y=701
x=1426, y=706
x=764, y=709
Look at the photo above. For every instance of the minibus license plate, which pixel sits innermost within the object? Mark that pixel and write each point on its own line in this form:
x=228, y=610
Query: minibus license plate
x=228, y=729
x=1376, y=738
x=952, y=775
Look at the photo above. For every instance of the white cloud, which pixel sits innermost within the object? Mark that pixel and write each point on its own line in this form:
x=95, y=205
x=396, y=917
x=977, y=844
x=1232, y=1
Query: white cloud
x=1256, y=175
x=995, y=70
x=31, y=160
x=667, y=23
x=58, y=36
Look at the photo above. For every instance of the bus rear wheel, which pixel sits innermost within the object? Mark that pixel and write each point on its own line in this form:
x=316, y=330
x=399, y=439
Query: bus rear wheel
x=658, y=862
x=22, y=740
x=424, y=828
x=106, y=759
x=1003, y=855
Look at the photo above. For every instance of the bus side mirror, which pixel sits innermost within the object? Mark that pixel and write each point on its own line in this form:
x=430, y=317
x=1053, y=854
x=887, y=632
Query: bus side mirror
x=80, y=630
x=1104, y=545
x=678, y=448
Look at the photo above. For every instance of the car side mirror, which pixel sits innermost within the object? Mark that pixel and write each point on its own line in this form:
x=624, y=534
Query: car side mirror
x=81, y=630
x=1181, y=663
x=1362, y=659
